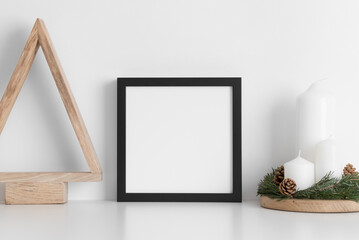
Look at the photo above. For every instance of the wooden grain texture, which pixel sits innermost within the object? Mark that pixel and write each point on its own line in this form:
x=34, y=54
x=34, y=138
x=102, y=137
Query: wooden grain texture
x=309, y=205
x=49, y=177
x=35, y=193
x=39, y=37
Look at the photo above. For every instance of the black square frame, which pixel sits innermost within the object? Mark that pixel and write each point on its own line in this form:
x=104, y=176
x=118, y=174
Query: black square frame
x=235, y=196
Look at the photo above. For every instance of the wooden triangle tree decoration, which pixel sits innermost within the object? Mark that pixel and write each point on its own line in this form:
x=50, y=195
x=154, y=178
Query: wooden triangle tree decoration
x=45, y=187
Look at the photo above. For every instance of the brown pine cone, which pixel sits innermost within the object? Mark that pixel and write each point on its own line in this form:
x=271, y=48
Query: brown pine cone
x=349, y=170
x=279, y=175
x=288, y=187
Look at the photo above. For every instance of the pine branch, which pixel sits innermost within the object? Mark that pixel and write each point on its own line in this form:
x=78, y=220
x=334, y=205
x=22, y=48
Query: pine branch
x=329, y=187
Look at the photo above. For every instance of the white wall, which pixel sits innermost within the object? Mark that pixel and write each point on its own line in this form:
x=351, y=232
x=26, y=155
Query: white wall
x=279, y=47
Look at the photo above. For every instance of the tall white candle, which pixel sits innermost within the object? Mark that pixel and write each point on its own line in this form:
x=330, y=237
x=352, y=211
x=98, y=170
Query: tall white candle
x=301, y=171
x=324, y=158
x=315, y=121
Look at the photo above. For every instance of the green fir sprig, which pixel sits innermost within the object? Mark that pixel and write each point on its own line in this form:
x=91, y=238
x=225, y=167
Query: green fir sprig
x=328, y=188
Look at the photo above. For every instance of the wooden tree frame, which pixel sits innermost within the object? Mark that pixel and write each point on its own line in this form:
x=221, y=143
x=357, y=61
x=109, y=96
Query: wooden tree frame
x=45, y=187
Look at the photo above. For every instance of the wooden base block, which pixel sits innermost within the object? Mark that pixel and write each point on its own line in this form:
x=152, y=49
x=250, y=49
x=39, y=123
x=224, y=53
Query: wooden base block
x=35, y=193
x=310, y=205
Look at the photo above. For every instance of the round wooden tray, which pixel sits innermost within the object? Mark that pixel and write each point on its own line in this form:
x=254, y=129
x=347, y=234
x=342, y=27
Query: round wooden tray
x=309, y=205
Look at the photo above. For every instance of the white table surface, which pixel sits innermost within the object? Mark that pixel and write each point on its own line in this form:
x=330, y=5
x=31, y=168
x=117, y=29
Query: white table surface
x=221, y=221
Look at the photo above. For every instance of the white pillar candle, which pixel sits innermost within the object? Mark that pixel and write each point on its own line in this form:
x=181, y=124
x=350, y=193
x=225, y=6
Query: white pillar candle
x=324, y=158
x=315, y=122
x=301, y=171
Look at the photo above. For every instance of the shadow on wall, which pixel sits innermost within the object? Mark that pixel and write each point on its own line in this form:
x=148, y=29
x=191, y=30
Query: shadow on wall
x=283, y=132
x=110, y=151
x=9, y=55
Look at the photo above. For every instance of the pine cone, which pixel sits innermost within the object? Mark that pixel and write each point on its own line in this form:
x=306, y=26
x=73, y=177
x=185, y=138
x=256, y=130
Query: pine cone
x=288, y=187
x=279, y=175
x=349, y=170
